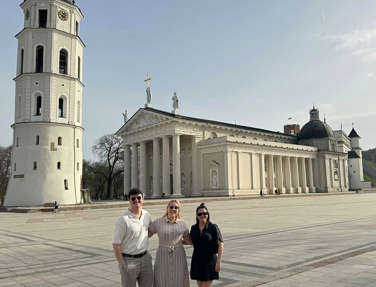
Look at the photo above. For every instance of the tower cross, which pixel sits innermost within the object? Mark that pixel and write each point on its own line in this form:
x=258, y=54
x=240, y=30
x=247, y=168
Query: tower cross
x=147, y=80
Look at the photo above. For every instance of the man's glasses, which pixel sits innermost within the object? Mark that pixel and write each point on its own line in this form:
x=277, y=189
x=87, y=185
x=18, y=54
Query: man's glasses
x=174, y=207
x=202, y=213
x=138, y=198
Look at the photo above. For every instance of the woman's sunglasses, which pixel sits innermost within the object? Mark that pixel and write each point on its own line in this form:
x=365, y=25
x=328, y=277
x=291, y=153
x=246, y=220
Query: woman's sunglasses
x=173, y=207
x=202, y=213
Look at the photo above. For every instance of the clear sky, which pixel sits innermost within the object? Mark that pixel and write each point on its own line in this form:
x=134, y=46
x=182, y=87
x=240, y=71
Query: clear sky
x=253, y=63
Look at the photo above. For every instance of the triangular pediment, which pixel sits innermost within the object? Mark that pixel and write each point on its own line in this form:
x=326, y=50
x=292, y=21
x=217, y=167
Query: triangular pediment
x=143, y=119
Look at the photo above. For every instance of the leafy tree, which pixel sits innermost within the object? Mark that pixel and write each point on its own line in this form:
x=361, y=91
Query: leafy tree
x=5, y=171
x=109, y=150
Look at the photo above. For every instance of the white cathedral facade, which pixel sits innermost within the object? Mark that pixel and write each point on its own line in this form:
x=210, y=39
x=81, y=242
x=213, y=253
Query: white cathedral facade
x=167, y=154
x=47, y=129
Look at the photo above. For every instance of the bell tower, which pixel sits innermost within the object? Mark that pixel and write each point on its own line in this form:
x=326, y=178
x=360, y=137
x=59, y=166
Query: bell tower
x=47, y=128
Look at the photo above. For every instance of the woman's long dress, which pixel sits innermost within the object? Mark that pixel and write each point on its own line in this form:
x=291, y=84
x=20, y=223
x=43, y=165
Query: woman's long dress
x=170, y=267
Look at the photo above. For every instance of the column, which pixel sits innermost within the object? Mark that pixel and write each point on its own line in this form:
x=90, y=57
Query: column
x=156, y=168
x=331, y=172
x=166, y=165
x=340, y=175
x=295, y=175
x=310, y=176
x=194, y=188
x=262, y=172
x=280, y=175
x=303, y=176
x=271, y=175
x=142, y=174
x=176, y=165
x=288, y=175
x=134, y=172
x=127, y=169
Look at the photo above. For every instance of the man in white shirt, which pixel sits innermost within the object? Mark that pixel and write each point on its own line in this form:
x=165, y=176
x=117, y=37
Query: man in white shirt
x=130, y=243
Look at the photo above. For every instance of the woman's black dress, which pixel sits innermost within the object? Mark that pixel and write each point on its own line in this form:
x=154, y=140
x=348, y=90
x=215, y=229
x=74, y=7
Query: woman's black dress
x=205, y=249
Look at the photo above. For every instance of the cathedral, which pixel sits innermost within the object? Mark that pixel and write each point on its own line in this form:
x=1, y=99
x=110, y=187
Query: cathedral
x=168, y=154
x=47, y=129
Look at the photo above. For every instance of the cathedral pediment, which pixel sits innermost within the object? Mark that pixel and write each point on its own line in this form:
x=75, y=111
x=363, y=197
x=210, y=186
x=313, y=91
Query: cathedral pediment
x=143, y=119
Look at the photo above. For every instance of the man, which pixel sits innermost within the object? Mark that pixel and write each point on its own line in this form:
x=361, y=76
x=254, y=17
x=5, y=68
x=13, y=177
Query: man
x=130, y=243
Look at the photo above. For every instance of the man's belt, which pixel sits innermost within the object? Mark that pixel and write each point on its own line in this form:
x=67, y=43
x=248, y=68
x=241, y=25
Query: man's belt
x=135, y=255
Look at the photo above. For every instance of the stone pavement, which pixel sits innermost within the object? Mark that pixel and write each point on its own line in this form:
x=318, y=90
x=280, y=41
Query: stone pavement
x=284, y=241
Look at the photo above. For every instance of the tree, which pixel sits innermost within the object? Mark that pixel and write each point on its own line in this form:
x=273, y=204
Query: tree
x=5, y=171
x=109, y=149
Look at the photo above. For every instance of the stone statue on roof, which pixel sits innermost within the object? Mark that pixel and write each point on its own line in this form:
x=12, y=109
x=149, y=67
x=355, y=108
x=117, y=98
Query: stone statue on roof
x=148, y=91
x=175, y=104
x=125, y=116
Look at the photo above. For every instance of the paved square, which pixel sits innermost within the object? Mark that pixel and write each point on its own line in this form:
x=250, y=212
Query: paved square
x=280, y=241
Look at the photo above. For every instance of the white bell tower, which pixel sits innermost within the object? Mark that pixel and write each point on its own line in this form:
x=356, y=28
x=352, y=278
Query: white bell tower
x=47, y=129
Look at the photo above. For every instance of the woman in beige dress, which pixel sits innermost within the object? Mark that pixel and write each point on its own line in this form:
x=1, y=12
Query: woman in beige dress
x=170, y=267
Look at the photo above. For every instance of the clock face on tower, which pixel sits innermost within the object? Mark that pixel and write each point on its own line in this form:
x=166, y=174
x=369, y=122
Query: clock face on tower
x=63, y=15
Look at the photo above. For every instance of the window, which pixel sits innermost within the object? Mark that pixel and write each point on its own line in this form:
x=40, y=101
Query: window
x=17, y=142
x=63, y=62
x=78, y=166
x=22, y=61
x=39, y=60
x=37, y=140
x=61, y=108
x=77, y=27
x=77, y=143
x=42, y=18
x=65, y=184
x=15, y=166
x=58, y=165
x=79, y=68
x=59, y=141
x=35, y=166
x=38, y=110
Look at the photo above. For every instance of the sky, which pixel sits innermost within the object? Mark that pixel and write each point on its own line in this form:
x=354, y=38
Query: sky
x=254, y=63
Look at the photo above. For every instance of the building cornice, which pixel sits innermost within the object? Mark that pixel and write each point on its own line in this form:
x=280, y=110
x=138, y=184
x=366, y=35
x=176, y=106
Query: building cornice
x=47, y=123
x=73, y=36
x=51, y=74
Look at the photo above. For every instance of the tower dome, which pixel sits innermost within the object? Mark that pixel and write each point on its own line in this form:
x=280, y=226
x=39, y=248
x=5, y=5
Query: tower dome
x=315, y=128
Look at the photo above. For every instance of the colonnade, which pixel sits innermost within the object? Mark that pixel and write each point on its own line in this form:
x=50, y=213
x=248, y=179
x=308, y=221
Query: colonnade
x=164, y=168
x=287, y=174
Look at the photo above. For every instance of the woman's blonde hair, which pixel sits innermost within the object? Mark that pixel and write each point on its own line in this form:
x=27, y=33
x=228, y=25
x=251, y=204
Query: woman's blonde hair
x=178, y=203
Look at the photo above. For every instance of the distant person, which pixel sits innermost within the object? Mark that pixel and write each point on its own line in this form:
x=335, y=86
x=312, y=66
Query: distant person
x=207, y=248
x=56, y=206
x=261, y=193
x=170, y=267
x=130, y=243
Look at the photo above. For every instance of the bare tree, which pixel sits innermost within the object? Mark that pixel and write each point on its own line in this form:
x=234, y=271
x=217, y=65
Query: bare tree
x=109, y=149
x=5, y=171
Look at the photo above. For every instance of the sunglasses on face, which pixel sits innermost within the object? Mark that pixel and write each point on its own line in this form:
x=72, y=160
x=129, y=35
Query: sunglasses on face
x=202, y=213
x=174, y=207
x=138, y=198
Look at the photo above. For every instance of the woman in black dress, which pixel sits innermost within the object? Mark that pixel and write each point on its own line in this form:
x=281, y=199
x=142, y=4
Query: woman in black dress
x=207, y=243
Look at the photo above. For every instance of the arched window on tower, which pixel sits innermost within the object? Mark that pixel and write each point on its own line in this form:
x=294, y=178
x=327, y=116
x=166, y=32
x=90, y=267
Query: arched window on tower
x=79, y=68
x=38, y=105
x=61, y=111
x=63, y=62
x=39, y=60
x=59, y=141
x=77, y=28
x=43, y=18
x=22, y=61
